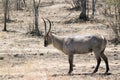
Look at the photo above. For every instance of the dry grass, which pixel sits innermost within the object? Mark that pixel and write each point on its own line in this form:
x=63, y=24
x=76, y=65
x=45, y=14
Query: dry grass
x=23, y=57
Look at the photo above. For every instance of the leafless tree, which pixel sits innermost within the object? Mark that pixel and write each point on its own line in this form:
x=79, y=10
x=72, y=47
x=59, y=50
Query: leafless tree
x=36, y=15
x=83, y=14
x=20, y=4
x=6, y=13
x=114, y=18
x=76, y=4
x=24, y=2
x=17, y=4
x=93, y=7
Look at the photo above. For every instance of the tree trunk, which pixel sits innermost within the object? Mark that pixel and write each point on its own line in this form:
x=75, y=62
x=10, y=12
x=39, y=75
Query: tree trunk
x=87, y=6
x=17, y=4
x=5, y=4
x=93, y=8
x=36, y=21
x=83, y=15
x=36, y=15
x=25, y=5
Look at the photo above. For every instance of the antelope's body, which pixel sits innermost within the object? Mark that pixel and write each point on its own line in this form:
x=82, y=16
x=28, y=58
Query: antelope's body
x=78, y=45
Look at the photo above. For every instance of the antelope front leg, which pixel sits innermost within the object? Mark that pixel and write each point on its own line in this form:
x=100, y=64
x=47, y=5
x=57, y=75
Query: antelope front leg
x=70, y=58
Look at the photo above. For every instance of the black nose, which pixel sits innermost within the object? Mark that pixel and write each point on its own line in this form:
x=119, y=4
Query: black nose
x=45, y=43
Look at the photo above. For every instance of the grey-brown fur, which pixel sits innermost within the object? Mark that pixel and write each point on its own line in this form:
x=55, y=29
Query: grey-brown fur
x=79, y=45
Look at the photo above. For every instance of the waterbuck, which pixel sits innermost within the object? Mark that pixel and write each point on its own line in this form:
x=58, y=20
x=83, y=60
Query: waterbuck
x=78, y=45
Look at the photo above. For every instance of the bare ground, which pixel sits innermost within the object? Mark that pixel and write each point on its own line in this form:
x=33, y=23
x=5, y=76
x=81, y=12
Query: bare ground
x=23, y=57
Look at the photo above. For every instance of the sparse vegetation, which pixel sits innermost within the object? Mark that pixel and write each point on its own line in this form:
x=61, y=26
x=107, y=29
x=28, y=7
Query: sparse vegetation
x=23, y=57
x=113, y=14
x=76, y=4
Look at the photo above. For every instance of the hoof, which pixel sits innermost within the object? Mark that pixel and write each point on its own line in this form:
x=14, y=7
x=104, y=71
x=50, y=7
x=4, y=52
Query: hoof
x=70, y=73
x=94, y=72
x=107, y=73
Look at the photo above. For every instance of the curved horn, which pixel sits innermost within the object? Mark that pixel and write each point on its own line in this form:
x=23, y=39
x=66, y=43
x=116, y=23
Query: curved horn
x=49, y=25
x=45, y=26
